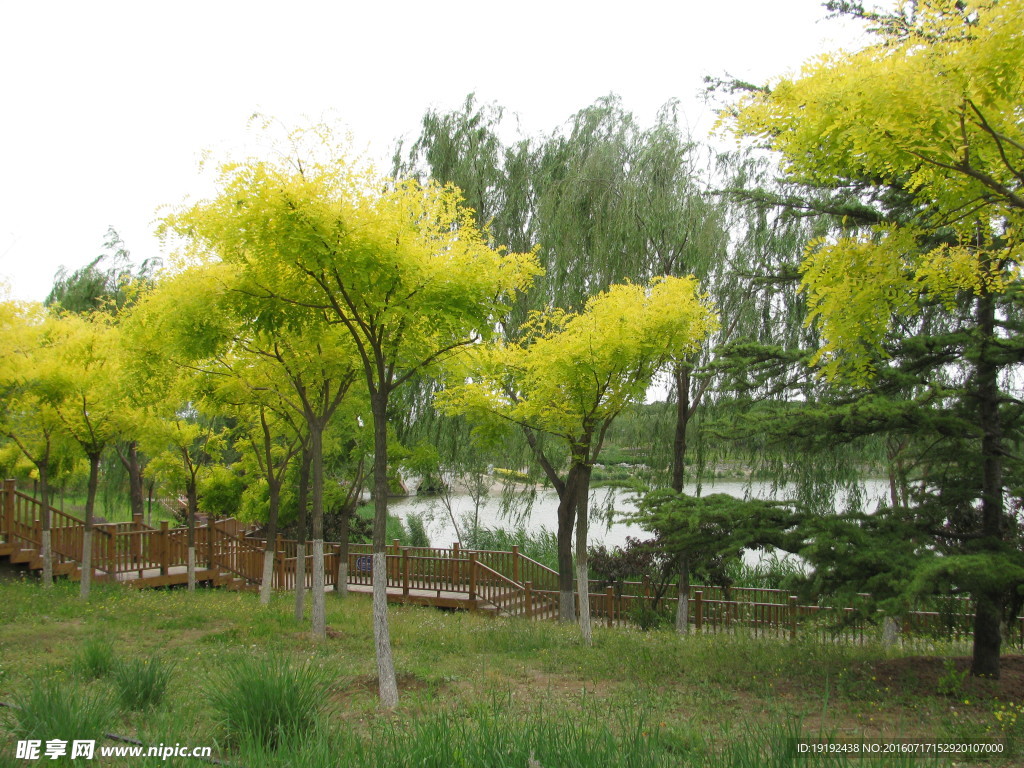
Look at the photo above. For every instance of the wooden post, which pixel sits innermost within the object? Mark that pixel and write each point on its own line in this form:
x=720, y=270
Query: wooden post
x=8, y=530
x=792, y=617
x=405, y=571
x=515, y=563
x=529, y=599
x=609, y=602
x=397, y=546
x=454, y=575
x=472, y=579
x=698, y=608
x=209, y=540
x=163, y=548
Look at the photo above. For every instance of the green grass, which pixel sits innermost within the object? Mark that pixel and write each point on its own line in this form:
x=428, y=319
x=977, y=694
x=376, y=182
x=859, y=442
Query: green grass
x=266, y=699
x=474, y=690
x=95, y=658
x=141, y=683
x=54, y=708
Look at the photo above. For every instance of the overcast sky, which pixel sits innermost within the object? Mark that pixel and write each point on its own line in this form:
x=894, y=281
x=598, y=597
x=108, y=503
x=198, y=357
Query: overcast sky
x=106, y=106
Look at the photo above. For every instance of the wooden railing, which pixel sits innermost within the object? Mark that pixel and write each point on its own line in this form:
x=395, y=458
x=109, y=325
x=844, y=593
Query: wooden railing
x=508, y=581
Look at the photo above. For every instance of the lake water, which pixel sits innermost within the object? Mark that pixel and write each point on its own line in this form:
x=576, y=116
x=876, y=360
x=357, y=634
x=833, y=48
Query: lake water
x=543, y=513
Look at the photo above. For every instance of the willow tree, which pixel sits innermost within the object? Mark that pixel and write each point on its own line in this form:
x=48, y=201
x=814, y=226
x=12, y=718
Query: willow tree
x=569, y=375
x=933, y=109
x=609, y=200
x=400, y=266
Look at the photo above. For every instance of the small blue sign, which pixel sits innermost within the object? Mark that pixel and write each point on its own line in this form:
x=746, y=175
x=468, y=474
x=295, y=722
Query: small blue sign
x=364, y=564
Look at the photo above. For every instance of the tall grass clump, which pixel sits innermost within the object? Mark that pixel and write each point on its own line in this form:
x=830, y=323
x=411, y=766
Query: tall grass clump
x=267, y=699
x=94, y=659
x=60, y=709
x=142, y=683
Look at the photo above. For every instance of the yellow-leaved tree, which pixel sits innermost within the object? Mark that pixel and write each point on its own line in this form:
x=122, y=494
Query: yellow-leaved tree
x=400, y=266
x=569, y=375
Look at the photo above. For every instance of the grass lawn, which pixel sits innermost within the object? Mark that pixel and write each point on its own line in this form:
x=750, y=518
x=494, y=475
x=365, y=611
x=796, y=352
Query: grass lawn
x=476, y=691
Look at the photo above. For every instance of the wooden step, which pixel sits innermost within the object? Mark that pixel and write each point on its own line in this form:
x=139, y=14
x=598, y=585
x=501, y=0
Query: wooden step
x=23, y=555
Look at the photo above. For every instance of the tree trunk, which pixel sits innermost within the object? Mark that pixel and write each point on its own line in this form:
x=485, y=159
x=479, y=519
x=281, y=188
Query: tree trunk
x=319, y=623
x=130, y=461
x=270, y=547
x=683, y=606
x=582, y=568
x=681, y=375
x=567, y=504
x=388, y=685
x=45, y=522
x=989, y=602
x=193, y=504
x=300, y=546
x=90, y=505
x=343, y=547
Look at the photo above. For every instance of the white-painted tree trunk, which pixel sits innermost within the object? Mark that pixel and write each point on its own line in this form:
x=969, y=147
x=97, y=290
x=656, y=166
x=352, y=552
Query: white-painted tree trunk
x=319, y=630
x=566, y=606
x=683, y=610
x=683, y=593
x=86, y=582
x=583, y=571
x=300, y=581
x=47, y=555
x=381, y=635
x=342, y=576
x=191, y=569
x=267, y=580
x=583, y=578
x=890, y=631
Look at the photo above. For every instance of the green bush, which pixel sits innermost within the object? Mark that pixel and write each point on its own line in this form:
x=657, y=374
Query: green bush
x=648, y=618
x=266, y=699
x=142, y=683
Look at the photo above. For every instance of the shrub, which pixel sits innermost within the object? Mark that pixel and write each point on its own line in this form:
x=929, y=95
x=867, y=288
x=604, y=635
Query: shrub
x=142, y=683
x=647, y=617
x=267, y=700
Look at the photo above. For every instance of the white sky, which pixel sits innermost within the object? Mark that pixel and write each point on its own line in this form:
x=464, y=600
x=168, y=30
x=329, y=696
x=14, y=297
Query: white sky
x=107, y=105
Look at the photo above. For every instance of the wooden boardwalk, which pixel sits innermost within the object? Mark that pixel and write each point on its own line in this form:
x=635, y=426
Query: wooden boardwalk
x=505, y=583
x=143, y=556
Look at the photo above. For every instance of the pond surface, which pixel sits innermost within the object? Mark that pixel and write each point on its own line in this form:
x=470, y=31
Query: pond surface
x=604, y=527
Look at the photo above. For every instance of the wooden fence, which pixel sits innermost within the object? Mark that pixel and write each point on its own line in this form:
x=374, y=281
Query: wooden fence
x=506, y=581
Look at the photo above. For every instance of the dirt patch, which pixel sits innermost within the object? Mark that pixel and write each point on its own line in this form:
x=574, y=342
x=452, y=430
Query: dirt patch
x=934, y=676
x=369, y=684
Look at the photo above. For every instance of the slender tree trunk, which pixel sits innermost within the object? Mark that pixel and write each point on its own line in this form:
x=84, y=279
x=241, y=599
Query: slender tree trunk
x=582, y=566
x=989, y=602
x=300, y=546
x=683, y=606
x=90, y=505
x=270, y=547
x=382, y=637
x=45, y=522
x=343, y=547
x=319, y=623
x=681, y=375
x=567, y=503
x=130, y=461
x=193, y=504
